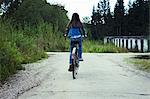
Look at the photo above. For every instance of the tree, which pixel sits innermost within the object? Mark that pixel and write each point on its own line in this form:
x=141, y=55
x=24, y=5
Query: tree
x=33, y=12
x=10, y=6
x=28, y=13
x=109, y=22
x=119, y=17
x=86, y=20
x=138, y=18
x=100, y=20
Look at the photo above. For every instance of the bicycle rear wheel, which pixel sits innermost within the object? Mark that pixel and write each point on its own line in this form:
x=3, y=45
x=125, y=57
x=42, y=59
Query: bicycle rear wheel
x=74, y=72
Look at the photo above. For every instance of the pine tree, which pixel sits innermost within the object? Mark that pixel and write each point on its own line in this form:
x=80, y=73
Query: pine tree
x=100, y=18
x=109, y=22
x=119, y=17
x=138, y=18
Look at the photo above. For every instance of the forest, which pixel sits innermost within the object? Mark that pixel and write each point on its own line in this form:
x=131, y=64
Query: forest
x=130, y=21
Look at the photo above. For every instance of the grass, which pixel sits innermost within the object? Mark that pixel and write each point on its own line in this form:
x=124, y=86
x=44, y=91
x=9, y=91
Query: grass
x=99, y=47
x=92, y=46
x=142, y=63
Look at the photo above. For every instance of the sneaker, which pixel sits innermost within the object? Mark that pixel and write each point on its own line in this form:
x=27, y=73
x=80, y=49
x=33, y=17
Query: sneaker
x=70, y=68
x=80, y=59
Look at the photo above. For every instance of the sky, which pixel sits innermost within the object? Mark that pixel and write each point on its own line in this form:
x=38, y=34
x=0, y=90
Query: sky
x=82, y=7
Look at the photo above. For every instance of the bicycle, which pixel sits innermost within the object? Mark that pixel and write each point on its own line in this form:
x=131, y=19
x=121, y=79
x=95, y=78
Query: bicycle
x=75, y=57
x=75, y=60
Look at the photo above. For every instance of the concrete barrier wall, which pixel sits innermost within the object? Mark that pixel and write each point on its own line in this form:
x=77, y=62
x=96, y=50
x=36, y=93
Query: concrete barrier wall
x=133, y=43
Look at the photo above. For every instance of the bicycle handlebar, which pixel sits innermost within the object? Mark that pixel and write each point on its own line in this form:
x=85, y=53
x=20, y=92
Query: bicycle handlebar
x=83, y=36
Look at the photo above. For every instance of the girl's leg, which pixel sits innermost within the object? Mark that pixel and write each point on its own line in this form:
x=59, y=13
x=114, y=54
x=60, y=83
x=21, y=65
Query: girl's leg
x=80, y=49
x=71, y=47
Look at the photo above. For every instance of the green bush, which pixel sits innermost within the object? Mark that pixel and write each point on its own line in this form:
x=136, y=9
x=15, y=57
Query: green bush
x=28, y=48
x=17, y=47
x=10, y=59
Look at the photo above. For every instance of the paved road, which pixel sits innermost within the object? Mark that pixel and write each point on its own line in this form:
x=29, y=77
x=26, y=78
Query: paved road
x=101, y=76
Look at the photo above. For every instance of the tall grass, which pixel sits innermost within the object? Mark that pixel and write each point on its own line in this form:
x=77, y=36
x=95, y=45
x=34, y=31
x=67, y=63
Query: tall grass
x=53, y=40
x=92, y=46
x=10, y=59
x=98, y=47
x=26, y=44
x=17, y=47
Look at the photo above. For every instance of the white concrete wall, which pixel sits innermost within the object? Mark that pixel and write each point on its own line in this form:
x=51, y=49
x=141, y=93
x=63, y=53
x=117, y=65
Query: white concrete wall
x=116, y=42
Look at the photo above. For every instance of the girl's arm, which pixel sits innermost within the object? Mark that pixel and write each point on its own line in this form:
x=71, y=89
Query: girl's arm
x=83, y=32
x=67, y=31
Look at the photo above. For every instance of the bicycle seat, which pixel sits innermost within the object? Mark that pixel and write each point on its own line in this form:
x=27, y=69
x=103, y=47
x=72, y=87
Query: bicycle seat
x=75, y=40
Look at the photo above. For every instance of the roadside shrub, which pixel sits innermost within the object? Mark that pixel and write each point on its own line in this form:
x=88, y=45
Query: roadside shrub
x=28, y=48
x=16, y=47
x=10, y=59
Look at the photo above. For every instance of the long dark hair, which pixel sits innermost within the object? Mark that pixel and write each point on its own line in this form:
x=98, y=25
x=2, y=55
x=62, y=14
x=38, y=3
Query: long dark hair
x=75, y=21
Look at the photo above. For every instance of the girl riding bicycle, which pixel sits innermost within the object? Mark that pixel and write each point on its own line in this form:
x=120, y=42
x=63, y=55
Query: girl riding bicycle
x=75, y=31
